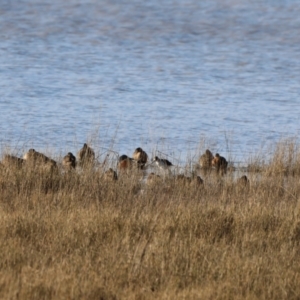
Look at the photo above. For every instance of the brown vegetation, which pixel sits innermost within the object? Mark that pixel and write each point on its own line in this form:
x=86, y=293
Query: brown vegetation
x=85, y=235
x=110, y=175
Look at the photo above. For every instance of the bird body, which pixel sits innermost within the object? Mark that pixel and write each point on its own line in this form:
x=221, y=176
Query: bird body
x=12, y=161
x=125, y=162
x=38, y=157
x=184, y=181
x=86, y=156
x=205, y=160
x=69, y=161
x=140, y=156
x=35, y=158
x=220, y=163
x=162, y=163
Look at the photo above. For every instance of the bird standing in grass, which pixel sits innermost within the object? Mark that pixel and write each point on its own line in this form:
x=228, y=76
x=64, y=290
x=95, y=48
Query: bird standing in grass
x=220, y=163
x=205, y=160
x=125, y=162
x=164, y=164
x=86, y=156
x=69, y=161
x=38, y=158
x=140, y=156
x=35, y=159
x=12, y=161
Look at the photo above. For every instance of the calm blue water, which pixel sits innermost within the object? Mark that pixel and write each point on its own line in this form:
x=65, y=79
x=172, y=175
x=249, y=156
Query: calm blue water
x=163, y=75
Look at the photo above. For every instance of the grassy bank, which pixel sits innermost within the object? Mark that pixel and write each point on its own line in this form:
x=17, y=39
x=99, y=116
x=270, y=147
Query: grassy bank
x=75, y=235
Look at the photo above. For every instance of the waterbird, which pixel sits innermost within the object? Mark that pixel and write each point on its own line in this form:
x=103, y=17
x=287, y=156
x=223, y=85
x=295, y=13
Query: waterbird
x=12, y=161
x=86, y=155
x=220, y=163
x=125, y=162
x=37, y=159
x=140, y=156
x=162, y=163
x=205, y=160
x=35, y=156
x=69, y=161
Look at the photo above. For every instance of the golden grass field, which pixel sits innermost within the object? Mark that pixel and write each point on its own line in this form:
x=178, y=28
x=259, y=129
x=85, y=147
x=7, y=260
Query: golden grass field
x=75, y=235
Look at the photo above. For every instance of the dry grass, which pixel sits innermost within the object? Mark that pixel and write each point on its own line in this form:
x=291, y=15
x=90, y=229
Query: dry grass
x=77, y=236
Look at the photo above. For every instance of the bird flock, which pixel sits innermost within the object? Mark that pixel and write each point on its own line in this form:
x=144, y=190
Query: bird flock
x=139, y=161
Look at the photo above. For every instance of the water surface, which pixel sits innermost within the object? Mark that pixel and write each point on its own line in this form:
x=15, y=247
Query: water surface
x=160, y=74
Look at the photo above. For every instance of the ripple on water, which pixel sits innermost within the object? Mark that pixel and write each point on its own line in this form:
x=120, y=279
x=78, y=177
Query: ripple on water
x=150, y=72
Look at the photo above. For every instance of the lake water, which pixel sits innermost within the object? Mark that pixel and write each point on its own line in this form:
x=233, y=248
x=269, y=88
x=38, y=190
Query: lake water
x=163, y=75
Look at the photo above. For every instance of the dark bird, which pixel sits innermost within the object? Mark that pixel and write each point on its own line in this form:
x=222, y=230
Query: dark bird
x=220, y=163
x=162, y=163
x=205, y=160
x=69, y=161
x=140, y=156
x=125, y=162
x=86, y=156
x=37, y=159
